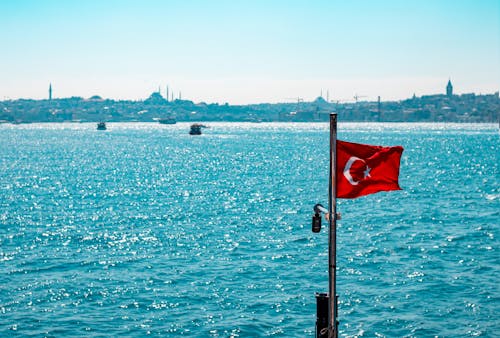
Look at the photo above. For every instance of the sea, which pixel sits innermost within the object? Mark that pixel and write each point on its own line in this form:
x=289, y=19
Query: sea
x=143, y=230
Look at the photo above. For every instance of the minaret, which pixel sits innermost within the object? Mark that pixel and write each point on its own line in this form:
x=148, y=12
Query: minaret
x=50, y=91
x=449, y=89
x=167, y=93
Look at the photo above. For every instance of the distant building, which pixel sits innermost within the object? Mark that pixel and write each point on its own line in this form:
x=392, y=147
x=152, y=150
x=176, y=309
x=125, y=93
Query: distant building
x=50, y=91
x=449, y=89
x=155, y=98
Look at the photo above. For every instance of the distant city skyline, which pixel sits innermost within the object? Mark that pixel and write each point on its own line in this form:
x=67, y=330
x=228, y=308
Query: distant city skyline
x=248, y=51
x=169, y=95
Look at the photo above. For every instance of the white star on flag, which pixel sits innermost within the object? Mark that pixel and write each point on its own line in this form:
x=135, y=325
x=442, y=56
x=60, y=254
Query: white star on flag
x=367, y=172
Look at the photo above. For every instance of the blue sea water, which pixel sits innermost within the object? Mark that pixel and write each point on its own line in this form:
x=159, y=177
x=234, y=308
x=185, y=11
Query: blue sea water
x=144, y=230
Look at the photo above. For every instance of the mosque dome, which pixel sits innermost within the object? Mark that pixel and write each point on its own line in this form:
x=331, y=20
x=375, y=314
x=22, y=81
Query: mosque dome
x=156, y=98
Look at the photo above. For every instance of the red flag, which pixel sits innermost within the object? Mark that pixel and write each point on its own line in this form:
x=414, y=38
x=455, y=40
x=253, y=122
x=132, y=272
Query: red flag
x=364, y=169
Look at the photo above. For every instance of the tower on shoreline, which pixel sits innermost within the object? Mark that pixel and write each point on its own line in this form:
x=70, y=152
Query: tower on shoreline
x=449, y=89
x=50, y=91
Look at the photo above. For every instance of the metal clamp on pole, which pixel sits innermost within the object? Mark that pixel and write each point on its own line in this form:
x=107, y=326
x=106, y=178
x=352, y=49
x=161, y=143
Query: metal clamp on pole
x=316, y=219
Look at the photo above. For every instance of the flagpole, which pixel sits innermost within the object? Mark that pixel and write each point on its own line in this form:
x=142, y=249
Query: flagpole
x=332, y=235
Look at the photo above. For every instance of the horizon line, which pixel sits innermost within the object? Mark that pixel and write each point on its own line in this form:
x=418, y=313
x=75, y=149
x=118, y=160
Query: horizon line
x=98, y=97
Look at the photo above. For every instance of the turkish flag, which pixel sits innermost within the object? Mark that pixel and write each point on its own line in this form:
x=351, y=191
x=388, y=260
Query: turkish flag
x=364, y=169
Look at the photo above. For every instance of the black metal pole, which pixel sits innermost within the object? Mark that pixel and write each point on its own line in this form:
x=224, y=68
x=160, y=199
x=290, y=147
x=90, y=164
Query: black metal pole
x=332, y=235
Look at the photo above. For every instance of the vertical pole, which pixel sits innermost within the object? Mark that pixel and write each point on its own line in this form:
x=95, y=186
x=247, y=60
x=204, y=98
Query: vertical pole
x=332, y=235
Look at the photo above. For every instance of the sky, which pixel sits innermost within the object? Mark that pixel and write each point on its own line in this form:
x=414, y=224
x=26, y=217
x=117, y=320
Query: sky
x=248, y=51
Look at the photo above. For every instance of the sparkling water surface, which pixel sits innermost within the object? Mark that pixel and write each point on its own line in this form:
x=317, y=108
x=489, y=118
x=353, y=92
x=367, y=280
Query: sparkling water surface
x=144, y=230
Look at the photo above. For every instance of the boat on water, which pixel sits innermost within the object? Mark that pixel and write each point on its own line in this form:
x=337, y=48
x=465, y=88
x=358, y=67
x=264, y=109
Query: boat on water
x=101, y=126
x=196, y=129
x=168, y=120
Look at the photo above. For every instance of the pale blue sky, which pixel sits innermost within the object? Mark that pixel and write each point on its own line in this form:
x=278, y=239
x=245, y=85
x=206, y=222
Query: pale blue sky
x=248, y=51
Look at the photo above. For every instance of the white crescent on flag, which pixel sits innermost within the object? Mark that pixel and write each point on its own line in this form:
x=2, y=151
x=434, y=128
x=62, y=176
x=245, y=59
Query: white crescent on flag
x=347, y=170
